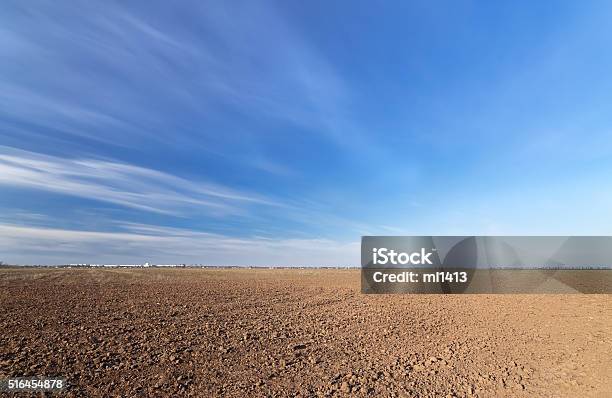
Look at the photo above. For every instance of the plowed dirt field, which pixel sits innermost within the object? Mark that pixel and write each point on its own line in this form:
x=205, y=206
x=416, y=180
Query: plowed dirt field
x=289, y=333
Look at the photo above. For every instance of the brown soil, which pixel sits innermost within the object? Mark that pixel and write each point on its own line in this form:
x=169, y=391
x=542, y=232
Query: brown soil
x=240, y=333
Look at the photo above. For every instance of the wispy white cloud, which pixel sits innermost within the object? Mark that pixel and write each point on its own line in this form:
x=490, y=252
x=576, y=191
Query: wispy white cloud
x=122, y=184
x=208, y=80
x=247, y=58
x=138, y=243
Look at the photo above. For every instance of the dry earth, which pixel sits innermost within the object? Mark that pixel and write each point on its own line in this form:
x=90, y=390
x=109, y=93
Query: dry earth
x=240, y=333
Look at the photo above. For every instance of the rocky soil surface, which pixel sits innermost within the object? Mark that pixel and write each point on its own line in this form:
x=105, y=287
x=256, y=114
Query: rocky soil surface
x=294, y=333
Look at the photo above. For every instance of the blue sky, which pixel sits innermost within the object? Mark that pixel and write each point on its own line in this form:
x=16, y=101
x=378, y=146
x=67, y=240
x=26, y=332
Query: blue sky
x=280, y=132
